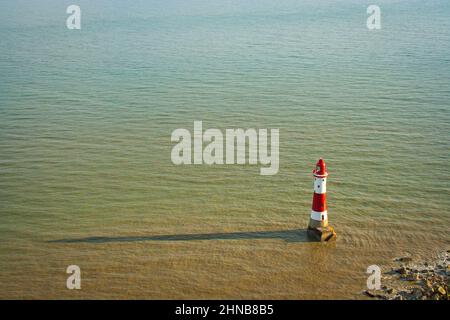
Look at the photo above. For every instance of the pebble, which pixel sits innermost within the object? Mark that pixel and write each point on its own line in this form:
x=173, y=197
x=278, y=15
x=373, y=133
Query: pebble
x=403, y=259
x=402, y=270
x=391, y=291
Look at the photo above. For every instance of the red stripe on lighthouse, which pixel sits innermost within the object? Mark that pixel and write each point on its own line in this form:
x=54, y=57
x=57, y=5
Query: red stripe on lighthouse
x=319, y=202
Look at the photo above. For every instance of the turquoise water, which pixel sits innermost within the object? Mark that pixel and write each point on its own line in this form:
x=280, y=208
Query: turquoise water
x=86, y=118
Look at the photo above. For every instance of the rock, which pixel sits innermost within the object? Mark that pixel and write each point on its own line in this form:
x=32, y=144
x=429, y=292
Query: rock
x=402, y=270
x=375, y=294
x=391, y=291
x=442, y=291
x=322, y=234
x=370, y=293
x=435, y=296
x=416, y=293
x=403, y=259
x=410, y=277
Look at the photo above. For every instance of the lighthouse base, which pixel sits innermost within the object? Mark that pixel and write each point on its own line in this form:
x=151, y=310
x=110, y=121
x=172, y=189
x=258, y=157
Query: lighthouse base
x=321, y=234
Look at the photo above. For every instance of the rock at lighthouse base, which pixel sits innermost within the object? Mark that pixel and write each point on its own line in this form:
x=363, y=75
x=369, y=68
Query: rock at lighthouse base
x=322, y=234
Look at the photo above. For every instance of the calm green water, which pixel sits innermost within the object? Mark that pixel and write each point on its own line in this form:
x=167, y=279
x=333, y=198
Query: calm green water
x=86, y=118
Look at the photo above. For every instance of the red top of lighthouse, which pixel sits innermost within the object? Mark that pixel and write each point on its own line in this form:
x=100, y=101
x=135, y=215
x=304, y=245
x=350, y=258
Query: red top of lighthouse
x=321, y=169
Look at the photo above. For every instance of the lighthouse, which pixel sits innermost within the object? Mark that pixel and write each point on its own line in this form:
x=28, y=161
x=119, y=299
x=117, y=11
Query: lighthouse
x=318, y=227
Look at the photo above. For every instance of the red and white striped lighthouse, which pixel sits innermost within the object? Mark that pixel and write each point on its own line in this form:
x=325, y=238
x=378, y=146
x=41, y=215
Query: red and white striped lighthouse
x=319, y=216
x=318, y=223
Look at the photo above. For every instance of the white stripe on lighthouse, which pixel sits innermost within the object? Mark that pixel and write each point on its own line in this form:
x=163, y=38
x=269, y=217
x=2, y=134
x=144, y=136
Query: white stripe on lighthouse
x=318, y=215
x=320, y=185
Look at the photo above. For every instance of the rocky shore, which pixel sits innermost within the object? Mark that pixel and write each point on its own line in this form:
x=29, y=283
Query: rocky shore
x=409, y=280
